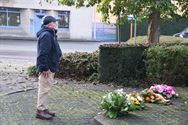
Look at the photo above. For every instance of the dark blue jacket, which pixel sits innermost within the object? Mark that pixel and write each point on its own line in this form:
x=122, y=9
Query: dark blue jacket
x=48, y=50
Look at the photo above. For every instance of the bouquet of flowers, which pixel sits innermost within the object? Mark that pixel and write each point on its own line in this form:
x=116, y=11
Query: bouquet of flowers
x=136, y=100
x=165, y=90
x=118, y=102
x=151, y=97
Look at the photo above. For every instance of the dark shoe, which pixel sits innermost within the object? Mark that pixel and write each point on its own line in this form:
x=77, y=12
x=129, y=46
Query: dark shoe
x=43, y=115
x=50, y=113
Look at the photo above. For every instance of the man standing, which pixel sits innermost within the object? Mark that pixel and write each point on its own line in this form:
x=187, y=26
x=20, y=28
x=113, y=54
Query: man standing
x=48, y=59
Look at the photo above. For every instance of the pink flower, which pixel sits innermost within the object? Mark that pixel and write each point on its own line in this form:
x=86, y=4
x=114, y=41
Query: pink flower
x=164, y=89
x=173, y=92
x=169, y=95
x=159, y=88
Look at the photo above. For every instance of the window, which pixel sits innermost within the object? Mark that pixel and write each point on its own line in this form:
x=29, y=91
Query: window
x=40, y=11
x=3, y=17
x=9, y=17
x=64, y=19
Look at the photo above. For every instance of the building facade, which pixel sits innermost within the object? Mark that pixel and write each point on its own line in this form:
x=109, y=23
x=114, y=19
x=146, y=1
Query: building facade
x=22, y=18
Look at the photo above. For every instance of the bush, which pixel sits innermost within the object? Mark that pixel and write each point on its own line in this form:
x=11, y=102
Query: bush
x=121, y=64
x=164, y=40
x=168, y=64
x=79, y=66
x=32, y=71
x=167, y=27
x=127, y=64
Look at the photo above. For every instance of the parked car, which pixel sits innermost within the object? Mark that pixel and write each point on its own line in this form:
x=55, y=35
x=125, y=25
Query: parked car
x=182, y=34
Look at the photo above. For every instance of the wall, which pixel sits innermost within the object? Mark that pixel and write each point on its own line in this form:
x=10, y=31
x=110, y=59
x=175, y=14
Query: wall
x=81, y=23
x=25, y=15
x=80, y=19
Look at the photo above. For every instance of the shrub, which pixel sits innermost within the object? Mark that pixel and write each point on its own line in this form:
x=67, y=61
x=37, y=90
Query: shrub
x=164, y=40
x=79, y=66
x=167, y=27
x=168, y=64
x=32, y=71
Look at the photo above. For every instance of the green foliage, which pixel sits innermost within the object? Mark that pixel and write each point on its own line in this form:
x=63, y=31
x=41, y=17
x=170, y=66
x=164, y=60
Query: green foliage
x=168, y=27
x=32, y=71
x=80, y=66
x=124, y=64
x=121, y=63
x=141, y=8
x=114, y=103
x=67, y=2
x=168, y=64
x=164, y=40
x=172, y=26
x=118, y=102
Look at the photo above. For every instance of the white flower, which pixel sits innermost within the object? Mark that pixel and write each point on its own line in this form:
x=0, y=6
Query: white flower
x=120, y=91
x=139, y=98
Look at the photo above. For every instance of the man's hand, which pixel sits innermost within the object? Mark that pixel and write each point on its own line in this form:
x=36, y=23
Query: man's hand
x=46, y=73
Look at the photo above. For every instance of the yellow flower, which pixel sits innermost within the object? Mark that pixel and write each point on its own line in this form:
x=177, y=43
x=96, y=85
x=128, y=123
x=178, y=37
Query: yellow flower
x=136, y=102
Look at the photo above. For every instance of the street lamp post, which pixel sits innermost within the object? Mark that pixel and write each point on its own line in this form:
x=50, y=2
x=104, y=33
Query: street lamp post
x=132, y=18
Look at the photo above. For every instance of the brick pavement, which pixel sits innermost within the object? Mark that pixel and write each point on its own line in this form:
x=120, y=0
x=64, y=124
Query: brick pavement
x=78, y=104
x=73, y=106
x=155, y=115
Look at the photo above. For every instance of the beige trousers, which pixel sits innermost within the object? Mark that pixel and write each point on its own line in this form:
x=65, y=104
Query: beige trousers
x=44, y=86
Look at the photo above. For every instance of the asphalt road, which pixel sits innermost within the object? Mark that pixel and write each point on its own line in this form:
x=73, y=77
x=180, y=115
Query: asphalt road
x=22, y=49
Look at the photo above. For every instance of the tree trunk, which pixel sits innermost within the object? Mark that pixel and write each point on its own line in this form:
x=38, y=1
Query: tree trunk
x=154, y=28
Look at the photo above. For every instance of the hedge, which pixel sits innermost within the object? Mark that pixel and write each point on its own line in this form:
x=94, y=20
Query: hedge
x=168, y=64
x=79, y=66
x=127, y=64
x=121, y=63
x=164, y=41
x=167, y=27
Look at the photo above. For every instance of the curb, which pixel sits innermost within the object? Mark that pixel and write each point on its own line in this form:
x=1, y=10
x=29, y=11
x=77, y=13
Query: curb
x=98, y=119
x=94, y=121
x=35, y=39
x=17, y=38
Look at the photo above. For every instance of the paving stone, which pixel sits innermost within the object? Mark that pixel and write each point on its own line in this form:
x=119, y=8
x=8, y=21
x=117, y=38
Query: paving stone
x=71, y=104
x=154, y=115
x=76, y=103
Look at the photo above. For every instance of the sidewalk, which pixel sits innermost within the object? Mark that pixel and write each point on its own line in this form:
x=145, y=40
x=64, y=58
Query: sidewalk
x=77, y=103
x=74, y=104
x=176, y=114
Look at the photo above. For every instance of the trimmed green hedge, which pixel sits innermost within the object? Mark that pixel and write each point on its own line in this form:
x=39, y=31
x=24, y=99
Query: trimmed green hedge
x=121, y=63
x=168, y=64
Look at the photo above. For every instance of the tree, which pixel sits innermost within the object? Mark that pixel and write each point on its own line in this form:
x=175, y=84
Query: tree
x=152, y=10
